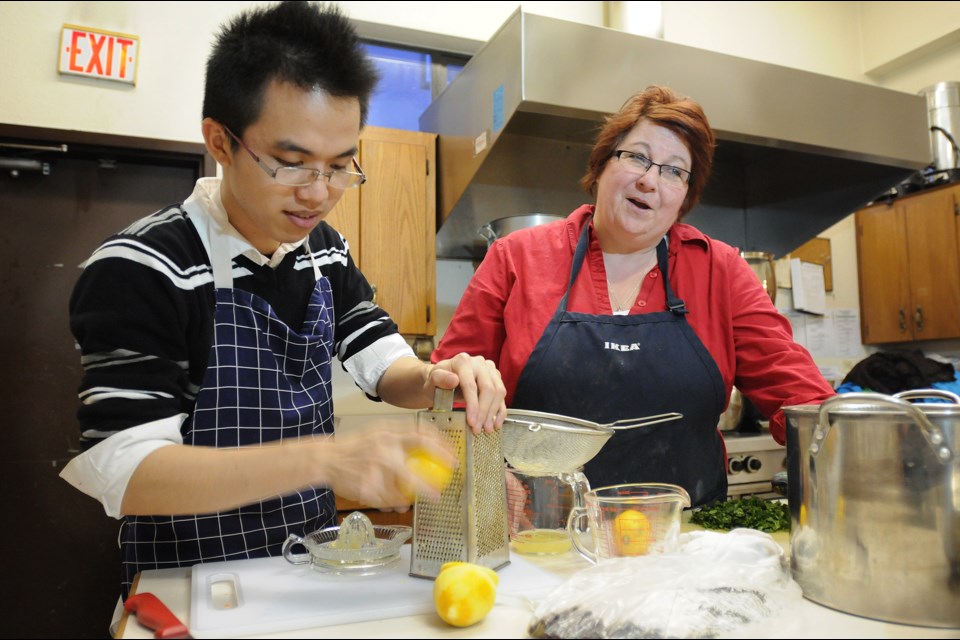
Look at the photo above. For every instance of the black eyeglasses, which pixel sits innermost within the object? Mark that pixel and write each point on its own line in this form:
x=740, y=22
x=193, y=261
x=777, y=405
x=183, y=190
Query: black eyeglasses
x=670, y=175
x=304, y=176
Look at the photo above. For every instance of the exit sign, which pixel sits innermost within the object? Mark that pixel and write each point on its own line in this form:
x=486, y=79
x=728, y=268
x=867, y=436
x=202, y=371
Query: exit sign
x=99, y=54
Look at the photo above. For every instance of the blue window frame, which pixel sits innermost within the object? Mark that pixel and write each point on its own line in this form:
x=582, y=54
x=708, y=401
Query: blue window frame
x=409, y=81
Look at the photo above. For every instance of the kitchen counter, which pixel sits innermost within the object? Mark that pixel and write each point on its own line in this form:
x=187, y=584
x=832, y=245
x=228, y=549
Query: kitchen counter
x=510, y=617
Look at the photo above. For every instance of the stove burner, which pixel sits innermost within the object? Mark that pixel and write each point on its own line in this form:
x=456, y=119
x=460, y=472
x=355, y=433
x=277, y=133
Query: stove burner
x=752, y=461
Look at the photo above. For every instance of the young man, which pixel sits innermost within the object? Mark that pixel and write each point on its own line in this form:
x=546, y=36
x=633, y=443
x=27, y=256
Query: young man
x=208, y=329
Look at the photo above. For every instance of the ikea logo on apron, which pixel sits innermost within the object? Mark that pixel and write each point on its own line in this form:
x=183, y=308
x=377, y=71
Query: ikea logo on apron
x=613, y=346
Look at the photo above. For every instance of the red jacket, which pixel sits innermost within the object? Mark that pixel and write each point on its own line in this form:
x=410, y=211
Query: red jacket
x=517, y=287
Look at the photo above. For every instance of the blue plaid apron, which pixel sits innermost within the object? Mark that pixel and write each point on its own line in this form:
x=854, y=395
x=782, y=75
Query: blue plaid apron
x=265, y=382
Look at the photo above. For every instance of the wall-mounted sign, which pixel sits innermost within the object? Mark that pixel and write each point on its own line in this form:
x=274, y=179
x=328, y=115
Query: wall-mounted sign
x=99, y=54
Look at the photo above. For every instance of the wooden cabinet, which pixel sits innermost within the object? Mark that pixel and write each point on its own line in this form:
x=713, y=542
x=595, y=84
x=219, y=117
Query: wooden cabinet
x=909, y=269
x=390, y=224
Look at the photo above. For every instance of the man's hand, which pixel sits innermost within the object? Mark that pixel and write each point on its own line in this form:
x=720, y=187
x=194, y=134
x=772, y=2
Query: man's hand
x=372, y=465
x=479, y=385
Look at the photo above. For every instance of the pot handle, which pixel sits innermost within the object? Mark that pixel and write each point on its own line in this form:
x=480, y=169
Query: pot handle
x=915, y=394
x=578, y=514
x=487, y=232
x=932, y=432
x=580, y=486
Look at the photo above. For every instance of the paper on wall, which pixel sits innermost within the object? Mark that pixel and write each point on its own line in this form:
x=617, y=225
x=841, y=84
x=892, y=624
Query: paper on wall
x=809, y=290
x=836, y=334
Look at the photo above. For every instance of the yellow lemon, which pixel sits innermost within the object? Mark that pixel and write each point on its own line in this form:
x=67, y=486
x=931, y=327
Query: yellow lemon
x=631, y=530
x=435, y=472
x=464, y=593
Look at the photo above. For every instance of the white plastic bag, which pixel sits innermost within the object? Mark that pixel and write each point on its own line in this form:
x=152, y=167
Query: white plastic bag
x=717, y=583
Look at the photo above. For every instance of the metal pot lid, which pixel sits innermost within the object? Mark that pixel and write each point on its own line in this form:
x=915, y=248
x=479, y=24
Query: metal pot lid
x=868, y=407
x=865, y=409
x=943, y=402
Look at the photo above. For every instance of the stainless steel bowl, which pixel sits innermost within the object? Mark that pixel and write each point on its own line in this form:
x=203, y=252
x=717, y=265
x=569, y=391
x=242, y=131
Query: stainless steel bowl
x=502, y=226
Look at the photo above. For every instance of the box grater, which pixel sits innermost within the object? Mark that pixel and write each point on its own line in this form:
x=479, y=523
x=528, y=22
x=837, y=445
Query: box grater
x=469, y=521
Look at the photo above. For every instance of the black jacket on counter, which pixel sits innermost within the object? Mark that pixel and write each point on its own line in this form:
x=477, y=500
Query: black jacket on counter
x=894, y=371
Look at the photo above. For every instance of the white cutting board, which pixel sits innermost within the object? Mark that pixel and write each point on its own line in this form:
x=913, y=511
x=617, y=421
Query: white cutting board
x=266, y=595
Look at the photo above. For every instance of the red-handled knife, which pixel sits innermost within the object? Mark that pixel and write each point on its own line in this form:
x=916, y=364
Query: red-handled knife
x=155, y=615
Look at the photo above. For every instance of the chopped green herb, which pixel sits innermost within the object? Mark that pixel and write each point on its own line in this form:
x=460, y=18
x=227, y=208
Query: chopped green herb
x=750, y=512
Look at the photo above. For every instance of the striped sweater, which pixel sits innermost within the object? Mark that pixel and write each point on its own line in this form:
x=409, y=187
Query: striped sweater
x=142, y=314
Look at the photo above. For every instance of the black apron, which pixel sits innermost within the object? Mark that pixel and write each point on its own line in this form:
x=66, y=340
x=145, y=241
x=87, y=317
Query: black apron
x=611, y=367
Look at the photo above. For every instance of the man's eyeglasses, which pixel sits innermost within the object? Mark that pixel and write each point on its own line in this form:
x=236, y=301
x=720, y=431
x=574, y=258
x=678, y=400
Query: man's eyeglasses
x=673, y=176
x=304, y=176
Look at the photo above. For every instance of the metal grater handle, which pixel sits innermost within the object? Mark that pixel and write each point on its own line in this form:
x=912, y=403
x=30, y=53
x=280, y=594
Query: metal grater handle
x=443, y=399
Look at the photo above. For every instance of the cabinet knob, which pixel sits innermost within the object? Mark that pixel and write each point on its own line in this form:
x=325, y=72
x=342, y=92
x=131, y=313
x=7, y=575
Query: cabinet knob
x=919, y=318
x=903, y=321
x=374, y=287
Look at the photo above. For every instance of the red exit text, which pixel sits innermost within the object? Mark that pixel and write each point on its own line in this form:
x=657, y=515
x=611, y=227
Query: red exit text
x=99, y=54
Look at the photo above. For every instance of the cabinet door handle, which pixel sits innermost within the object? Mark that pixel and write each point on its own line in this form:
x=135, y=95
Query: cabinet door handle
x=919, y=318
x=374, y=287
x=903, y=321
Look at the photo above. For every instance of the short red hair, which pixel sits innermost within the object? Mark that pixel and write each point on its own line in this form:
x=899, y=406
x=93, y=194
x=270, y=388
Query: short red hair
x=663, y=107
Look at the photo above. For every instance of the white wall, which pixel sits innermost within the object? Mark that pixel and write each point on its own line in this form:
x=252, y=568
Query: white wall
x=898, y=38
x=822, y=37
x=900, y=45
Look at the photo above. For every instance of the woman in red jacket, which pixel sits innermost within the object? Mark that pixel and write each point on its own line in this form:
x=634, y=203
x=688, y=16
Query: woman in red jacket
x=621, y=311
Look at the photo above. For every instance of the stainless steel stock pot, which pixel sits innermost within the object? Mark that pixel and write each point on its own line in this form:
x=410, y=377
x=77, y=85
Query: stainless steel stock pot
x=874, y=493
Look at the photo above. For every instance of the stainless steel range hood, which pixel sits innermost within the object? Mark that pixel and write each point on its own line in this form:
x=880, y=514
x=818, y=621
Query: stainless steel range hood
x=797, y=151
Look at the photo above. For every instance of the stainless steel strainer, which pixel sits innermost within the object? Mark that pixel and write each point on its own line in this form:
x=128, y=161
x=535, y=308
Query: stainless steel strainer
x=537, y=442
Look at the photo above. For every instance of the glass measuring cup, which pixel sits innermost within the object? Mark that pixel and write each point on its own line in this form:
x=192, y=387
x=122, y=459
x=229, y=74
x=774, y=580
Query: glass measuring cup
x=538, y=507
x=628, y=520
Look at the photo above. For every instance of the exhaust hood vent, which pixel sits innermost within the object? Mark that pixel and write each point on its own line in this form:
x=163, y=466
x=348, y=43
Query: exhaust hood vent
x=797, y=151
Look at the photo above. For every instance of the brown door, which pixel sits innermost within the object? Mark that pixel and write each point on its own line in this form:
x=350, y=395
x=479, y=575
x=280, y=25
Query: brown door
x=934, y=264
x=884, y=275
x=61, y=561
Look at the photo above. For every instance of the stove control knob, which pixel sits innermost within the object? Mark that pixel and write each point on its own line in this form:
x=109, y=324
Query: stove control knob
x=752, y=464
x=735, y=465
